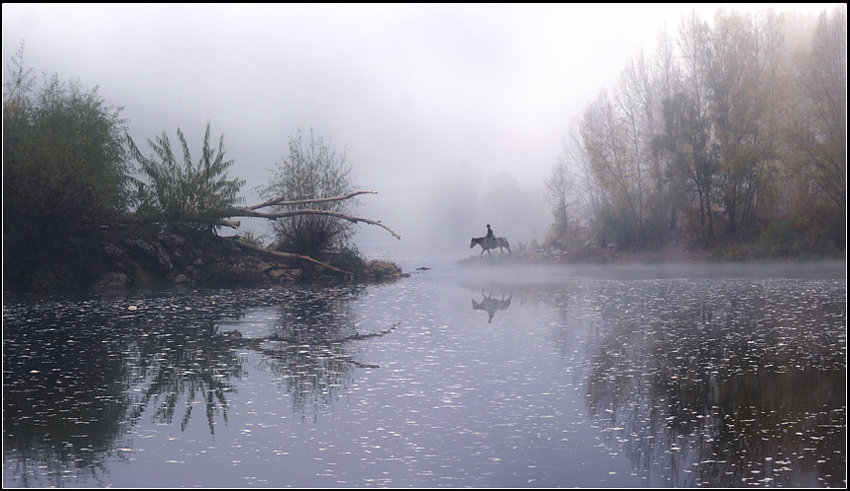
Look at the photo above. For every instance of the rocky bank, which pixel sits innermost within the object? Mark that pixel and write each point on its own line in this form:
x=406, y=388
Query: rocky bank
x=172, y=259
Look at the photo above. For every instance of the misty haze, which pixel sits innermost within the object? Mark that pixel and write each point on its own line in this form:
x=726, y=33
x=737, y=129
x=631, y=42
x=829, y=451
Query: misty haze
x=424, y=245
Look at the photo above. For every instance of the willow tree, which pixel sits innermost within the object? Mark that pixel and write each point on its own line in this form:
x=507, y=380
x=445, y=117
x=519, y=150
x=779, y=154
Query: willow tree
x=65, y=178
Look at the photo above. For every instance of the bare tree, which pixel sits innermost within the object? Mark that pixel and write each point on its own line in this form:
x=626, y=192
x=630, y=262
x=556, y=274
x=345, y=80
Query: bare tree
x=819, y=133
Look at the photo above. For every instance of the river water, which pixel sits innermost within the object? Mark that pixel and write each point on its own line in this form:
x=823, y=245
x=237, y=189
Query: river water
x=483, y=376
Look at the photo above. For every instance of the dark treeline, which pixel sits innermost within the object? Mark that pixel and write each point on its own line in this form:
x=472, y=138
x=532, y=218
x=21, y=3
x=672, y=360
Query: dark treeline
x=730, y=135
x=82, y=204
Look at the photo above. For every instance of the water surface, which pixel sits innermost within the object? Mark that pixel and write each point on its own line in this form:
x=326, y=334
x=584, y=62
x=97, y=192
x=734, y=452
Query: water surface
x=480, y=376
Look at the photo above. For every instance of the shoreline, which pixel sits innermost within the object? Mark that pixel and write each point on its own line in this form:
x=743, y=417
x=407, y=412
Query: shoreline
x=668, y=255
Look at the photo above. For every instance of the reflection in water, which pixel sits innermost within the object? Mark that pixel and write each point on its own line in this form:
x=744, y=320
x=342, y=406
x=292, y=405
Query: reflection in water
x=179, y=367
x=64, y=394
x=306, y=347
x=79, y=376
x=732, y=384
x=491, y=305
x=722, y=381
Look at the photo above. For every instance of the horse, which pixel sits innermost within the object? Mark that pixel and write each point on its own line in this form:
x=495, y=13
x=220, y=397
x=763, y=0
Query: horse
x=491, y=305
x=487, y=244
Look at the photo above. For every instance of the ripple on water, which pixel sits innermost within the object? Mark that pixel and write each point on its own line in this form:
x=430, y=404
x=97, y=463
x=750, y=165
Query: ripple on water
x=576, y=382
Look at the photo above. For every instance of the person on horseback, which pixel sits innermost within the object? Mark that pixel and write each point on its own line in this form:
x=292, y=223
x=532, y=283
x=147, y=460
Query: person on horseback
x=490, y=241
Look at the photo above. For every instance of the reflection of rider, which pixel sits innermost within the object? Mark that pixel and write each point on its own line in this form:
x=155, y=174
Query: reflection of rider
x=490, y=235
x=491, y=305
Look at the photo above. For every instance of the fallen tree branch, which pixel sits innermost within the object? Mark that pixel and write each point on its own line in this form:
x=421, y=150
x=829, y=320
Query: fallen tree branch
x=234, y=224
x=288, y=255
x=260, y=344
x=248, y=212
x=282, y=202
x=251, y=211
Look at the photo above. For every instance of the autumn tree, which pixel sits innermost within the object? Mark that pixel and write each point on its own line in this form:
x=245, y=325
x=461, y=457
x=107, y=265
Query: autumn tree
x=605, y=136
x=572, y=192
x=708, y=135
x=818, y=132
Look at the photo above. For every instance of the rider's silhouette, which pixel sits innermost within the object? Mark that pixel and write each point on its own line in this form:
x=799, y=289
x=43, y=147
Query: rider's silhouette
x=490, y=234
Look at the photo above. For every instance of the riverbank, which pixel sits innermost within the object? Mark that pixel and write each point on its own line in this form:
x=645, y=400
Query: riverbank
x=172, y=259
x=129, y=255
x=668, y=254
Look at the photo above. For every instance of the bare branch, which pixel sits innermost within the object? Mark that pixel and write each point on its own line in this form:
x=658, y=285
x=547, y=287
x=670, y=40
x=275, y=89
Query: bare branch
x=281, y=202
x=248, y=212
x=229, y=223
x=287, y=255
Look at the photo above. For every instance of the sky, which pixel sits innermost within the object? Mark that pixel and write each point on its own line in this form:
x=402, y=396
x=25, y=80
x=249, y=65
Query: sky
x=453, y=114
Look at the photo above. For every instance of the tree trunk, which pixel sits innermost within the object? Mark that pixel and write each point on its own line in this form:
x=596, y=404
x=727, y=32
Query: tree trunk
x=288, y=255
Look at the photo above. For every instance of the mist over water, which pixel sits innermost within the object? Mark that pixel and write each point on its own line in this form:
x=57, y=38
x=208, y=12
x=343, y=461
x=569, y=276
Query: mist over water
x=486, y=375
x=474, y=371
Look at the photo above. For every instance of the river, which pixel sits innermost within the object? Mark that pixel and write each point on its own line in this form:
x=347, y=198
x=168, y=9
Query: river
x=482, y=376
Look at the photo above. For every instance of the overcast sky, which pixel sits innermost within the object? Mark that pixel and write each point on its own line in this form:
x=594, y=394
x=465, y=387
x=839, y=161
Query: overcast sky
x=436, y=106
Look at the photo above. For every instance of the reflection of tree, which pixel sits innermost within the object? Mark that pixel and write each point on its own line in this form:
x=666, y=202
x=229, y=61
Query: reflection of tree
x=59, y=423
x=491, y=305
x=307, y=348
x=722, y=383
x=168, y=366
x=77, y=375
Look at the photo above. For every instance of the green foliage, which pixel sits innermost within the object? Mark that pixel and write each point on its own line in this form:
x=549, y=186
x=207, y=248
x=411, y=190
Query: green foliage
x=777, y=239
x=185, y=197
x=349, y=259
x=65, y=177
x=312, y=172
x=251, y=239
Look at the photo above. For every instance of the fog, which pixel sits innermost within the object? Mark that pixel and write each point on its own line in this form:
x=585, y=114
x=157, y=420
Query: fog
x=454, y=115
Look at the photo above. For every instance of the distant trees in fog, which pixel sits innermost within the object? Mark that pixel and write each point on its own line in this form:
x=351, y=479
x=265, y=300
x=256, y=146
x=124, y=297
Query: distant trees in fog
x=726, y=133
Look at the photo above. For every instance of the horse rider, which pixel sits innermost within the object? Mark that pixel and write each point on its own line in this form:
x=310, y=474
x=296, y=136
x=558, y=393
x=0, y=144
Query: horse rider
x=490, y=234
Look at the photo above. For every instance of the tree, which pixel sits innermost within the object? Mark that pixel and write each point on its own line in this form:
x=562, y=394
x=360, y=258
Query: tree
x=558, y=188
x=572, y=191
x=189, y=197
x=712, y=130
x=196, y=198
x=65, y=177
x=666, y=201
x=605, y=135
x=697, y=160
x=819, y=134
x=309, y=173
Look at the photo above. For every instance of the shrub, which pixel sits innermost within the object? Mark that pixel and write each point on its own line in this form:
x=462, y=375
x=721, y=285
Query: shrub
x=312, y=172
x=189, y=198
x=65, y=177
